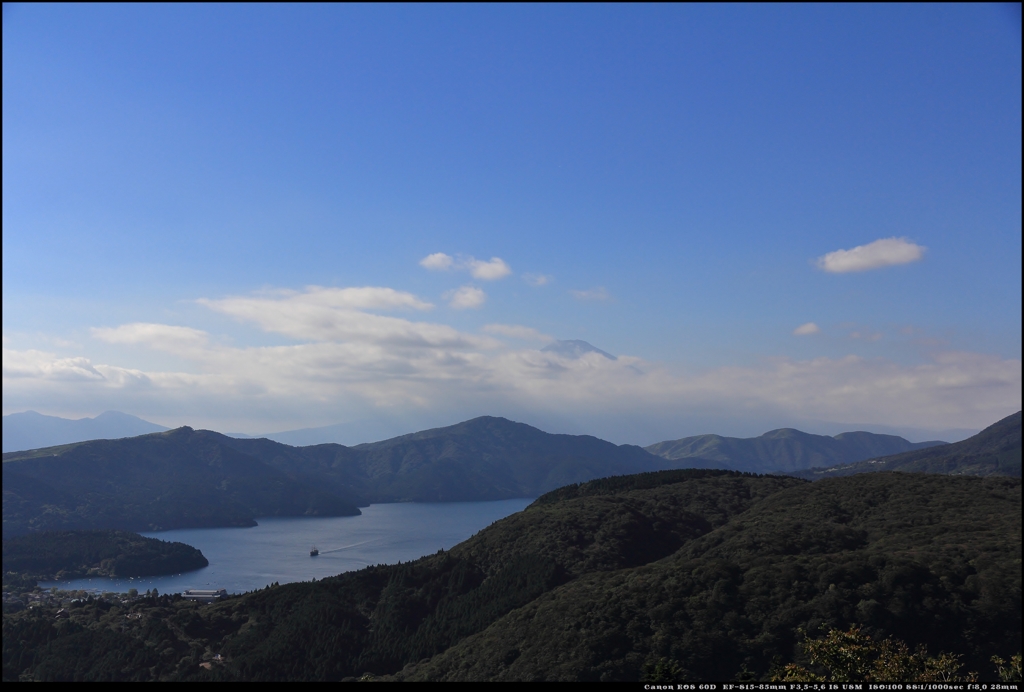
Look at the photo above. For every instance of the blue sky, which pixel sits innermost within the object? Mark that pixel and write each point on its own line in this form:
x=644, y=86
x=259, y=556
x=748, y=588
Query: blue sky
x=192, y=194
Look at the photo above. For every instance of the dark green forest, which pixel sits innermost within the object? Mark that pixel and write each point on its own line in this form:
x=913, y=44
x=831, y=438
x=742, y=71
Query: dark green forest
x=73, y=554
x=698, y=574
x=178, y=479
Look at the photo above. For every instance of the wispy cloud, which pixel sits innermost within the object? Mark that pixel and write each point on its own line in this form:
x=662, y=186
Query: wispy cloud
x=46, y=366
x=599, y=293
x=866, y=336
x=163, y=337
x=885, y=252
x=321, y=314
x=466, y=297
x=517, y=331
x=437, y=262
x=355, y=298
x=806, y=329
x=537, y=279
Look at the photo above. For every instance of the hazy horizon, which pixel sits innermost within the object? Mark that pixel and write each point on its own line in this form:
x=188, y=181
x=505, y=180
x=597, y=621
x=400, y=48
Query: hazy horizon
x=271, y=218
x=377, y=431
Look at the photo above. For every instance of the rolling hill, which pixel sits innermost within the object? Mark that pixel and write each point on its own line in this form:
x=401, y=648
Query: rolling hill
x=176, y=479
x=785, y=450
x=191, y=478
x=486, y=458
x=73, y=554
x=194, y=478
x=995, y=451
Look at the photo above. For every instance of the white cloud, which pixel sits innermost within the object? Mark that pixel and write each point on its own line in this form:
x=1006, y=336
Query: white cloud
x=885, y=252
x=46, y=366
x=516, y=331
x=348, y=364
x=163, y=337
x=599, y=293
x=488, y=271
x=357, y=298
x=866, y=336
x=336, y=314
x=323, y=382
x=805, y=329
x=466, y=297
x=437, y=262
x=537, y=279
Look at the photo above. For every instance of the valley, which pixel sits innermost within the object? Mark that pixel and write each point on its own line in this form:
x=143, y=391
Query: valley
x=609, y=575
x=711, y=573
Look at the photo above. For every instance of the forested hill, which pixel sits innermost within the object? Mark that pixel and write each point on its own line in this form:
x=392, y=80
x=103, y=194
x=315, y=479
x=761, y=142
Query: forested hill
x=193, y=478
x=486, y=458
x=783, y=451
x=72, y=554
x=686, y=575
x=175, y=479
x=995, y=451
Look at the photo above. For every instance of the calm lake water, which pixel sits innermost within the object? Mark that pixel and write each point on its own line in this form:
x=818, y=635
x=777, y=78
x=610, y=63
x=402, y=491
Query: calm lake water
x=244, y=559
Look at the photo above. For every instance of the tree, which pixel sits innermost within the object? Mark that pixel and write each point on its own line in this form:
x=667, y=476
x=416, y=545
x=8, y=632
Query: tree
x=1010, y=673
x=852, y=656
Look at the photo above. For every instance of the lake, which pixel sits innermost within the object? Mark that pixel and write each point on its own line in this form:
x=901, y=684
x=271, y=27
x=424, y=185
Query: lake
x=244, y=559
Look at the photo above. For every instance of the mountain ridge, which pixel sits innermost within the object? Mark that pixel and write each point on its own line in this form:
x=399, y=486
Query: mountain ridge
x=484, y=458
x=185, y=477
x=32, y=430
x=996, y=450
x=191, y=478
x=784, y=450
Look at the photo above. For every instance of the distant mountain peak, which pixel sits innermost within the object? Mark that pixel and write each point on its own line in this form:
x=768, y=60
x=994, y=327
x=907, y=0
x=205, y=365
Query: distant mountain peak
x=784, y=433
x=117, y=416
x=575, y=348
x=33, y=430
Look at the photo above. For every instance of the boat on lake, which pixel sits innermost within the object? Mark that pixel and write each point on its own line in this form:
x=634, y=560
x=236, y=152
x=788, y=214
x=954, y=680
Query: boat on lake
x=314, y=552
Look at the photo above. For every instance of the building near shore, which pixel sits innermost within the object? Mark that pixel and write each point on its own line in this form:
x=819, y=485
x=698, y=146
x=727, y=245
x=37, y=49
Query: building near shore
x=204, y=595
